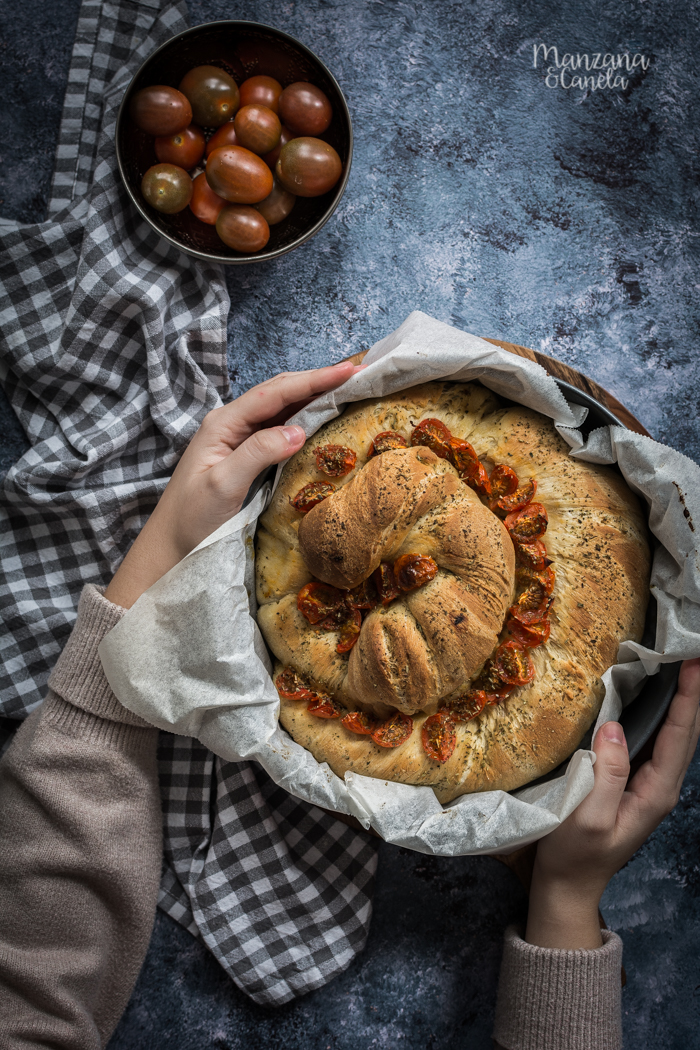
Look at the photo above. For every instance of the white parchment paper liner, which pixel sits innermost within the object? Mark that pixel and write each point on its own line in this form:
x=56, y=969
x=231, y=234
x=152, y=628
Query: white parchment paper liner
x=189, y=657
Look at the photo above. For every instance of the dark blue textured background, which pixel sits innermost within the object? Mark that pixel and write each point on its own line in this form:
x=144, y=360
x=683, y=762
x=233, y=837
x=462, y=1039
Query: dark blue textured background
x=564, y=222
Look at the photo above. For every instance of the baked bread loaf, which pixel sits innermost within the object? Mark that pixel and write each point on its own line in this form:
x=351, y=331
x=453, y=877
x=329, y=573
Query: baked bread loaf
x=423, y=632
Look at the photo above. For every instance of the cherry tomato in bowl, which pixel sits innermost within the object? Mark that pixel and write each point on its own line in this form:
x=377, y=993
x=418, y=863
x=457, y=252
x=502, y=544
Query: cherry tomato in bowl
x=261, y=91
x=185, y=148
x=167, y=188
x=160, y=110
x=205, y=204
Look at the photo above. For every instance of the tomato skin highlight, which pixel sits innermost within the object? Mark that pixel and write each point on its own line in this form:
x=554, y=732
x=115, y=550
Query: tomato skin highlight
x=438, y=736
x=316, y=601
x=385, y=442
x=385, y=583
x=293, y=686
x=335, y=460
x=311, y=495
x=433, y=434
x=360, y=723
x=323, y=706
x=395, y=731
x=527, y=524
x=513, y=665
x=412, y=571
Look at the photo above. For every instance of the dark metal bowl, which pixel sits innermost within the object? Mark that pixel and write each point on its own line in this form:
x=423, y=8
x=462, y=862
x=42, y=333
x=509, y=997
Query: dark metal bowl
x=243, y=49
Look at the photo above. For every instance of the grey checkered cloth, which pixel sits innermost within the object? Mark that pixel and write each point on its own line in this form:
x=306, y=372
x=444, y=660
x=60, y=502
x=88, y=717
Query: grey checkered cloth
x=114, y=348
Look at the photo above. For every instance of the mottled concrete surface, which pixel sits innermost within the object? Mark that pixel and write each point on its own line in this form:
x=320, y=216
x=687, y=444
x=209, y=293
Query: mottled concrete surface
x=560, y=220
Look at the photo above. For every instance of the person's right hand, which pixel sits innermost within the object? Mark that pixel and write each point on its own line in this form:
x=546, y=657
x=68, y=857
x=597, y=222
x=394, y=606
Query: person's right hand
x=575, y=862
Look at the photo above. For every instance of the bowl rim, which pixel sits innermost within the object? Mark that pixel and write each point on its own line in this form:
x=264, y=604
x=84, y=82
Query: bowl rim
x=210, y=257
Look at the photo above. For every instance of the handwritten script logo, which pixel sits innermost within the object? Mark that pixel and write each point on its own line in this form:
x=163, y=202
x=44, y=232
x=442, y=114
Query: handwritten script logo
x=588, y=72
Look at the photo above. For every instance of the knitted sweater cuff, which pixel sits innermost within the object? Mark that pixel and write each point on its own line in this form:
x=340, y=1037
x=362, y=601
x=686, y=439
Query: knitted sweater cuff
x=78, y=676
x=553, y=999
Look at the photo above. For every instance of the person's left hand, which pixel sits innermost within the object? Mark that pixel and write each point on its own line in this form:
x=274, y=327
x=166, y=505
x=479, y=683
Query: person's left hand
x=232, y=446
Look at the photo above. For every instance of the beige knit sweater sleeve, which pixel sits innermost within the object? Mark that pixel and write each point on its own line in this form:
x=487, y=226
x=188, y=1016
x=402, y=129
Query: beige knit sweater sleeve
x=552, y=999
x=80, y=853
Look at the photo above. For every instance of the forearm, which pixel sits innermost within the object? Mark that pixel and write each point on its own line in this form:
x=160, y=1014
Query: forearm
x=80, y=854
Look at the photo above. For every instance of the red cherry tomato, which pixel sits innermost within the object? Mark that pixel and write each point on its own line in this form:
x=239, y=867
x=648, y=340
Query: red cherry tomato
x=527, y=524
x=532, y=555
x=395, y=731
x=325, y=707
x=385, y=583
x=311, y=495
x=438, y=736
x=242, y=228
x=469, y=706
x=261, y=91
x=257, y=128
x=213, y=94
x=530, y=635
x=434, y=435
x=360, y=723
x=305, y=109
x=316, y=601
x=224, y=136
x=292, y=686
x=160, y=110
x=412, y=571
x=385, y=442
x=272, y=157
x=364, y=596
x=504, y=481
x=516, y=500
x=205, y=204
x=463, y=458
x=308, y=167
x=277, y=206
x=335, y=460
x=167, y=188
x=349, y=630
x=479, y=481
x=238, y=175
x=184, y=148
x=513, y=664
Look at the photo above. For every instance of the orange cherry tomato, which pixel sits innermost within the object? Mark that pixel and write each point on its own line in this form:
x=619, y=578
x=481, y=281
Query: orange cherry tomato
x=317, y=601
x=504, y=481
x=360, y=723
x=257, y=128
x=513, y=665
x=532, y=556
x=324, y=706
x=470, y=706
x=349, y=630
x=530, y=635
x=385, y=442
x=292, y=686
x=517, y=500
x=261, y=91
x=311, y=495
x=335, y=460
x=434, y=435
x=479, y=481
x=439, y=736
x=364, y=596
x=223, y=136
x=185, y=148
x=412, y=571
x=385, y=583
x=205, y=204
x=463, y=457
x=395, y=731
x=527, y=524
x=533, y=604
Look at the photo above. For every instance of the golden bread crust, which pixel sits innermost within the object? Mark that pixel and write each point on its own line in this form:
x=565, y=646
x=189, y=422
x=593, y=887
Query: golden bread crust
x=597, y=541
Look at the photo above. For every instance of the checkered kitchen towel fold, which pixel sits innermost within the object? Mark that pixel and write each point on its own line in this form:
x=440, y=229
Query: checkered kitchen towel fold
x=114, y=348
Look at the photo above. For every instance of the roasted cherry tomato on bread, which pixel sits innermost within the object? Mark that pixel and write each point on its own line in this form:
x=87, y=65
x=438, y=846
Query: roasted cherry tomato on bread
x=504, y=481
x=317, y=601
x=516, y=500
x=527, y=524
x=434, y=435
x=395, y=731
x=324, y=706
x=385, y=442
x=439, y=736
x=292, y=686
x=513, y=664
x=360, y=723
x=385, y=583
x=469, y=706
x=479, y=481
x=335, y=460
x=363, y=596
x=311, y=495
x=529, y=634
x=349, y=630
x=532, y=556
x=412, y=571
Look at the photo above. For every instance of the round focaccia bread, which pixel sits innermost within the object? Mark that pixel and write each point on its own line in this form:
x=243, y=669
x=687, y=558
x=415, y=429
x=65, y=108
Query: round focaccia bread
x=426, y=648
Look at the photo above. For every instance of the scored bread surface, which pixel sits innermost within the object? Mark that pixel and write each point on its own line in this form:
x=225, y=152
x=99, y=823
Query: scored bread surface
x=597, y=541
